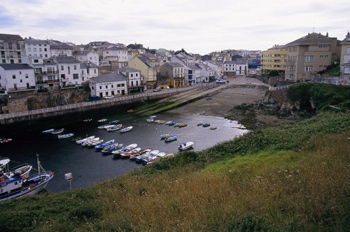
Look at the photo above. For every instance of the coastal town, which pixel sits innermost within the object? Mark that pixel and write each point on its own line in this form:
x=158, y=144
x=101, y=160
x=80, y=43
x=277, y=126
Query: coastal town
x=32, y=66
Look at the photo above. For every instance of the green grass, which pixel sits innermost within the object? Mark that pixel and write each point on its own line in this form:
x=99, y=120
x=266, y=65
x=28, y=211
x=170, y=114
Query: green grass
x=292, y=178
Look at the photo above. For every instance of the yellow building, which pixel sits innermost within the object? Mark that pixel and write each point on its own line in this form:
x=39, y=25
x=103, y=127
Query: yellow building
x=148, y=69
x=274, y=58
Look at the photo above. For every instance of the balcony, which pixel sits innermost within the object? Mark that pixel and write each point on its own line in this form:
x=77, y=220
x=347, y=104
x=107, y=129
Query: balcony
x=50, y=72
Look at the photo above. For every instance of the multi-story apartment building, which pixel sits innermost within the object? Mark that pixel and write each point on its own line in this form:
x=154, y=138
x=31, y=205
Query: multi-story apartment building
x=117, y=56
x=175, y=72
x=274, y=58
x=37, y=48
x=148, y=69
x=45, y=70
x=60, y=49
x=69, y=70
x=134, y=78
x=11, y=49
x=309, y=55
x=229, y=68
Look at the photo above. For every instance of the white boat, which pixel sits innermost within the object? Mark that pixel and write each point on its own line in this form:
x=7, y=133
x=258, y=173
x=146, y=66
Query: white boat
x=102, y=120
x=213, y=128
x=110, y=148
x=150, y=120
x=82, y=140
x=144, y=157
x=168, y=122
x=186, y=146
x=171, y=138
x=17, y=182
x=144, y=151
x=106, y=126
x=88, y=141
x=48, y=131
x=115, y=127
x=163, y=136
x=200, y=124
x=126, y=129
x=102, y=145
x=65, y=136
x=59, y=131
x=115, y=122
x=131, y=152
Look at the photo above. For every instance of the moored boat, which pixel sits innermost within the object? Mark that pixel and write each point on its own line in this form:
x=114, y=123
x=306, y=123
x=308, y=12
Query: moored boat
x=102, y=145
x=186, y=146
x=182, y=125
x=206, y=124
x=171, y=138
x=83, y=140
x=102, y=120
x=48, y=131
x=213, y=128
x=164, y=136
x=126, y=129
x=17, y=182
x=172, y=123
x=64, y=136
x=59, y=131
x=114, y=128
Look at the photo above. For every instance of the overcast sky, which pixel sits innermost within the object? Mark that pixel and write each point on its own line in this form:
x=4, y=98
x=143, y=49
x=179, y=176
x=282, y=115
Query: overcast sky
x=198, y=26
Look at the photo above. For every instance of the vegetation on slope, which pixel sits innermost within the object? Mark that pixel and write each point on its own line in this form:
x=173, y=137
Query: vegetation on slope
x=282, y=179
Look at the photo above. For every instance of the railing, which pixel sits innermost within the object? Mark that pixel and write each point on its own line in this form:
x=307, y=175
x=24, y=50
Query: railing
x=94, y=103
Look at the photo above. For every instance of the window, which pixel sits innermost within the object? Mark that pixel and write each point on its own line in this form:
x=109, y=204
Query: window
x=75, y=67
x=308, y=68
x=18, y=54
x=10, y=45
x=13, y=76
x=20, y=81
x=75, y=76
x=309, y=58
x=326, y=56
x=106, y=86
x=36, y=61
x=62, y=68
x=100, y=87
x=18, y=46
x=1, y=45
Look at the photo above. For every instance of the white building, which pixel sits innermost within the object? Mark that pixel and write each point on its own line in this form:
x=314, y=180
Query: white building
x=16, y=77
x=46, y=72
x=87, y=56
x=216, y=67
x=241, y=67
x=88, y=70
x=108, y=85
x=134, y=80
x=229, y=68
x=60, y=49
x=69, y=70
x=119, y=56
x=37, y=48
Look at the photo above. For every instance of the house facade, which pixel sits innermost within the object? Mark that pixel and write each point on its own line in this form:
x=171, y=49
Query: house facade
x=87, y=56
x=69, y=70
x=134, y=78
x=117, y=56
x=175, y=72
x=114, y=84
x=274, y=58
x=60, y=49
x=309, y=55
x=11, y=49
x=345, y=60
x=147, y=68
x=88, y=70
x=16, y=77
x=37, y=48
x=229, y=69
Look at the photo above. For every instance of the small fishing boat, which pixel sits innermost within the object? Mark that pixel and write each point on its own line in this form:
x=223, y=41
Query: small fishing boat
x=146, y=156
x=128, y=148
x=144, y=151
x=76, y=139
x=171, y=138
x=182, y=124
x=85, y=139
x=172, y=123
x=105, y=126
x=102, y=145
x=17, y=182
x=186, y=146
x=113, y=147
x=200, y=124
x=126, y=155
x=65, y=136
x=48, y=131
x=115, y=121
x=59, y=131
x=5, y=140
x=130, y=111
x=150, y=120
x=206, y=124
x=115, y=128
x=102, y=120
x=126, y=129
x=168, y=122
x=87, y=120
x=213, y=128
x=164, y=136
x=88, y=141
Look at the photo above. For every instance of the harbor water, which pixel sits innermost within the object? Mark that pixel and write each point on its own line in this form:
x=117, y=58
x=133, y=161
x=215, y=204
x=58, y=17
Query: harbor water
x=90, y=167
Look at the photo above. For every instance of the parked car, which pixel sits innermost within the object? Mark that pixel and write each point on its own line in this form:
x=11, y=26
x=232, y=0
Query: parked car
x=108, y=97
x=95, y=98
x=157, y=89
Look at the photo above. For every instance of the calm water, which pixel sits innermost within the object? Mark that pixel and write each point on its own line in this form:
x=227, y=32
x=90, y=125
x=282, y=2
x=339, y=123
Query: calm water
x=90, y=167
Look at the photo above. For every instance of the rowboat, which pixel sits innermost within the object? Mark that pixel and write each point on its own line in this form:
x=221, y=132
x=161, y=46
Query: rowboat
x=48, y=131
x=83, y=140
x=171, y=138
x=65, y=136
x=126, y=129
x=114, y=128
x=182, y=124
x=102, y=120
x=59, y=131
x=163, y=136
x=5, y=140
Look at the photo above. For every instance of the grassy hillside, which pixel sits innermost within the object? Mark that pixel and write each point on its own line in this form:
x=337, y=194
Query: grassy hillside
x=282, y=179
